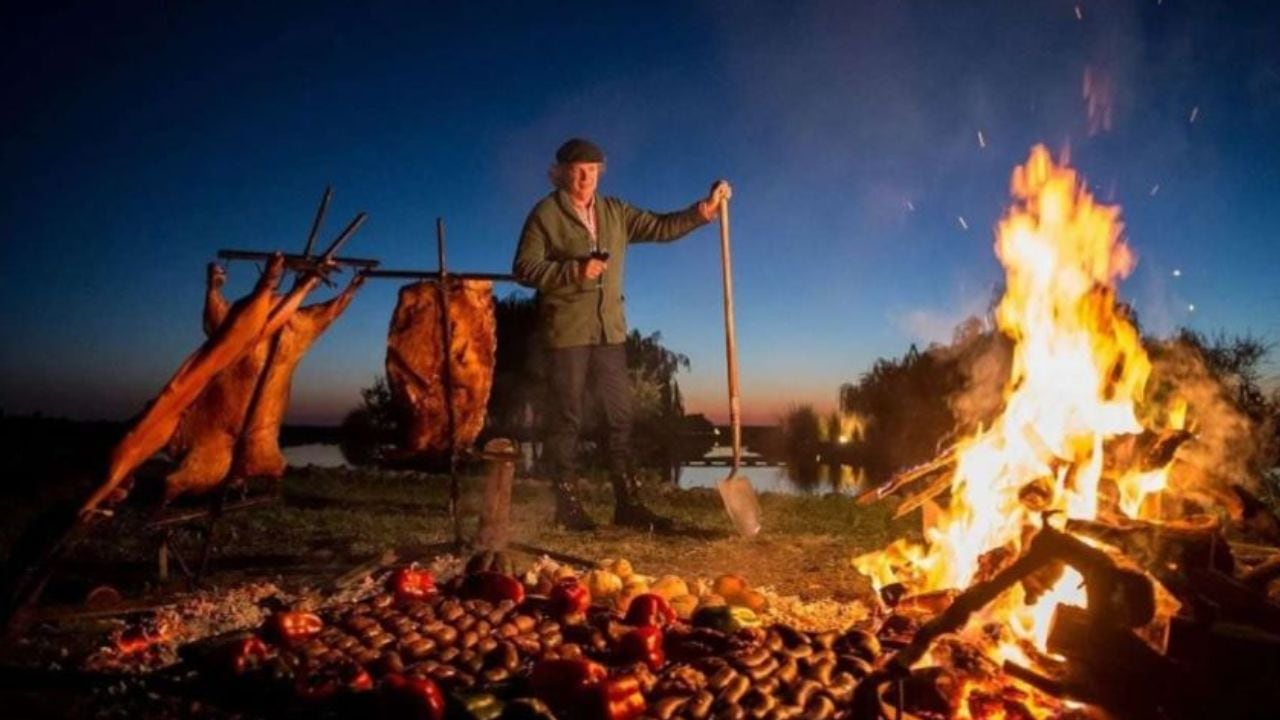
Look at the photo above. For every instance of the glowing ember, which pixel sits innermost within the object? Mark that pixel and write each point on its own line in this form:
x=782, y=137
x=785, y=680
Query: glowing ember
x=1078, y=370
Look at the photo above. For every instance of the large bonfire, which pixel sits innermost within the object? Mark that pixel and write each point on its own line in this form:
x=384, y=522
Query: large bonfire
x=1076, y=384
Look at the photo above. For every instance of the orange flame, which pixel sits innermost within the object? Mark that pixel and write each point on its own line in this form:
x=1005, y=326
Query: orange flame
x=1078, y=370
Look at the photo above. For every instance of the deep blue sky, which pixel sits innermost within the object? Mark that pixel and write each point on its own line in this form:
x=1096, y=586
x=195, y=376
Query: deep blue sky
x=140, y=139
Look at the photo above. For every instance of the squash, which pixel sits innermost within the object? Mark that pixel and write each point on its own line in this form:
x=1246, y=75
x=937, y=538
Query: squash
x=669, y=586
x=603, y=584
x=730, y=587
x=684, y=605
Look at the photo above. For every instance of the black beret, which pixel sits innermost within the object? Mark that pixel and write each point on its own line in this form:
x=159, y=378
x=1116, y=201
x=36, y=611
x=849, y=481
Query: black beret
x=577, y=150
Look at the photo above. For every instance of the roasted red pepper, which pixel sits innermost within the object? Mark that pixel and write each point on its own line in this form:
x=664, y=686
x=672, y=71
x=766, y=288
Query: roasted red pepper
x=356, y=678
x=643, y=644
x=412, y=698
x=570, y=597
x=619, y=698
x=411, y=583
x=294, y=626
x=493, y=587
x=566, y=684
x=650, y=610
x=247, y=654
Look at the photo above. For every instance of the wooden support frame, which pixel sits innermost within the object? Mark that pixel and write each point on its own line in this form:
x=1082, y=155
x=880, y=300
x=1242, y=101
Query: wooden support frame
x=30, y=581
x=443, y=275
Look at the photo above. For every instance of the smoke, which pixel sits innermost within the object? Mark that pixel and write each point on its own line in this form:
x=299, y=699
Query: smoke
x=984, y=359
x=1228, y=447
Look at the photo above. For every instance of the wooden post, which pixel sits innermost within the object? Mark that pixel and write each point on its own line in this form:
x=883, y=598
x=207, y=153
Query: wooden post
x=495, y=514
x=446, y=376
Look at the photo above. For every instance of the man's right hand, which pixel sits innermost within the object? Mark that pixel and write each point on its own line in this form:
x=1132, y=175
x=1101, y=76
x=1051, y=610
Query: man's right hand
x=591, y=268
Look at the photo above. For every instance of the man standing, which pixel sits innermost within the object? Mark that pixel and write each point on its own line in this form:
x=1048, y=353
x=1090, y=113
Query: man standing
x=572, y=251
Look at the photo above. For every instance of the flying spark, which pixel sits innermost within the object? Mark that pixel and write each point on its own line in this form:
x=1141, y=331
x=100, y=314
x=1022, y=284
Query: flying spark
x=982, y=141
x=1177, y=272
x=1079, y=13
x=1191, y=308
x=1154, y=189
x=910, y=206
x=1195, y=111
x=963, y=224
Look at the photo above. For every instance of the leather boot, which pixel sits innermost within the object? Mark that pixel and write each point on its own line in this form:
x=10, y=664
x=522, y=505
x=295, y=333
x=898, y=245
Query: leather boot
x=569, y=511
x=628, y=510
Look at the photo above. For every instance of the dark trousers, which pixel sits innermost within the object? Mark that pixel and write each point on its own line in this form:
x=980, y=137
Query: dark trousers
x=569, y=370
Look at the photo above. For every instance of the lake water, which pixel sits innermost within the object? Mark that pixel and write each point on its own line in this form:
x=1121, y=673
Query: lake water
x=764, y=478
x=318, y=454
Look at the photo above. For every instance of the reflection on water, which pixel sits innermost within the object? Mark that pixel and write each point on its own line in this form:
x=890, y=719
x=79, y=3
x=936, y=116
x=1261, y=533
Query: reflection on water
x=317, y=454
x=795, y=479
x=808, y=479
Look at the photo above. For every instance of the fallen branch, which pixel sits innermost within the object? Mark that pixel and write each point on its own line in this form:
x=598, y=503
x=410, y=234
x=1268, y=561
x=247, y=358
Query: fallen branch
x=943, y=462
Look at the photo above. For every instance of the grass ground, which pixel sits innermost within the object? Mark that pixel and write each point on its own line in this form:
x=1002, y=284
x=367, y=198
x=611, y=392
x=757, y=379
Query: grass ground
x=804, y=549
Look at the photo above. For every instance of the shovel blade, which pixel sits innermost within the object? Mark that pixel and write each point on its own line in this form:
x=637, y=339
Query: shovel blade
x=741, y=504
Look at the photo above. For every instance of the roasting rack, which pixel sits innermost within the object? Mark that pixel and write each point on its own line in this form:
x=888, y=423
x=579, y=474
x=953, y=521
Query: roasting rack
x=30, y=577
x=442, y=276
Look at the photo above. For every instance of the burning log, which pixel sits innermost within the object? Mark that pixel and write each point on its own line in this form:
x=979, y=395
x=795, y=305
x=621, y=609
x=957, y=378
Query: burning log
x=1112, y=667
x=1116, y=596
x=933, y=489
x=1166, y=549
x=945, y=462
x=1255, y=517
x=1262, y=574
x=1239, y=665
x=1225, y=598
x=1144, y=451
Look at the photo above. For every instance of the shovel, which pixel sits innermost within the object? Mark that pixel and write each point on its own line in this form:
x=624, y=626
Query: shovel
x=735, y=490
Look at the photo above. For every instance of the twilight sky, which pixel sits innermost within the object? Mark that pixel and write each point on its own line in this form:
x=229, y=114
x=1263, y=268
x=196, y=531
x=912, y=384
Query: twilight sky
x=870, y=144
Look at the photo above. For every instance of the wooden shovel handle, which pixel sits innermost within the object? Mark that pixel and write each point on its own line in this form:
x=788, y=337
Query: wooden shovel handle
x=730, y=341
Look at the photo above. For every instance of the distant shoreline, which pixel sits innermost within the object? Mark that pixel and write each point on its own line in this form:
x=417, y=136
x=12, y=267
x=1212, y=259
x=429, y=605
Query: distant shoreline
x=37, y=427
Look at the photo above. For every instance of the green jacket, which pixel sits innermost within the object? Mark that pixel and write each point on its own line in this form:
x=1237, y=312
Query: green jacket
x=553, y=242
